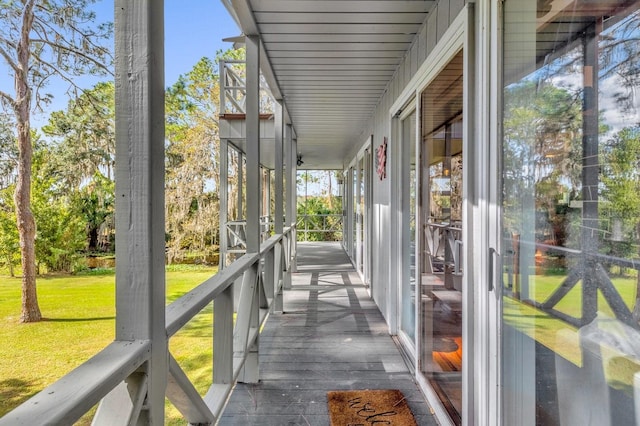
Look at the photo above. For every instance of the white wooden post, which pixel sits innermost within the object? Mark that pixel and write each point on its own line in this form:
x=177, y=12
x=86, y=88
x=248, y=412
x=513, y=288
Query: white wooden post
x=222, y=70
x=140, y=244
x=224, y=202
x=251, y=372
x=290, y=204
x=294, y=208
x=240, y=200
x=279, y=208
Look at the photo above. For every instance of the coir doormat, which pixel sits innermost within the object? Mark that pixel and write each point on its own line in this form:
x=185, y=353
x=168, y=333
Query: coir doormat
x=368, y=408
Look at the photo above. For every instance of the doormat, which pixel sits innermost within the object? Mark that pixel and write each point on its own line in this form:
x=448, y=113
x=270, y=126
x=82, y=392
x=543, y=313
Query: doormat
x=369, y=407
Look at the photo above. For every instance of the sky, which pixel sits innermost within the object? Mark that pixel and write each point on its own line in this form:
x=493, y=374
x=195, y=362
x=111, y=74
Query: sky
x=193, y=29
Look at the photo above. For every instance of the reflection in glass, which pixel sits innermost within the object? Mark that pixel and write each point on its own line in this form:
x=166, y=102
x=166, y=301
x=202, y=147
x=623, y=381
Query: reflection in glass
x=361, y=214
x=441, y=236
x=408, y=206
x=571, y=213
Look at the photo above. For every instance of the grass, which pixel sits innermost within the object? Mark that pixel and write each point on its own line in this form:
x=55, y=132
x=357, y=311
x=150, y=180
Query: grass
x=561, y=337
x=79, y=321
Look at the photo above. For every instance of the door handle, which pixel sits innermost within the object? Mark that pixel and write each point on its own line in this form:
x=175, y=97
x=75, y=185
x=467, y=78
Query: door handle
x=493, y=255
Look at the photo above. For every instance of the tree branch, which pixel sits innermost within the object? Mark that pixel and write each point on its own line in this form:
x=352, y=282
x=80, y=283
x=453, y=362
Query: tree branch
x=72, y=51
x=9, y=59
x=9, y=99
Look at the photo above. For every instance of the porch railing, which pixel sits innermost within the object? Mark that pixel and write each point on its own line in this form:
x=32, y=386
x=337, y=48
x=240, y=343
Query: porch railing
x=233, y=89
x=326, y=227
x=237, y=235
x=116, y=376
x=587, y=267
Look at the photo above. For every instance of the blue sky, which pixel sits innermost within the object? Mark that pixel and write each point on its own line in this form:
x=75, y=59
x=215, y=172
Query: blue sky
x=193, y=29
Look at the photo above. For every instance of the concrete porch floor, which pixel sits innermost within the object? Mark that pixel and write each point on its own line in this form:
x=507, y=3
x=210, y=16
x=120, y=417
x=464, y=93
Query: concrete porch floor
x=331, y=336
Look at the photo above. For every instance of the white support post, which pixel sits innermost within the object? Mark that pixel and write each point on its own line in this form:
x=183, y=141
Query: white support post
x=291, y=178
x=240, y=189
x=250, y=372
x=222, y=70
x=224, y=202
x=290, y=203
x=279, y=208
x=223, y=309
x=140, y=245
x=294, y=209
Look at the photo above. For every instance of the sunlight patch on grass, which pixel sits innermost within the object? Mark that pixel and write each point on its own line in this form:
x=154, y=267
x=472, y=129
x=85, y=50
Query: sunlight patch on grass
x=79, y=314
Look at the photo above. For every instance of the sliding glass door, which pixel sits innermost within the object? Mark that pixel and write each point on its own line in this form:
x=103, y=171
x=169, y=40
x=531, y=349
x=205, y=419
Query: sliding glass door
x=440, y=194
x=570, y=213
x=408, y=229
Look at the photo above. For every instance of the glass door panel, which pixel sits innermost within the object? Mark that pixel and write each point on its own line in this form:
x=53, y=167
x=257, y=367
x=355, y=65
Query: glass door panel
x=361, y=216
x=441, y=236
x=570, y=220
x=408, y=230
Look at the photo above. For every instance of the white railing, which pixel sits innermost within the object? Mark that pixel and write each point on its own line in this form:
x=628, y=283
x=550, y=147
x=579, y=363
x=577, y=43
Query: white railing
x=328, y=227
x=233, y=89
x=237, y=234
x=116, y=376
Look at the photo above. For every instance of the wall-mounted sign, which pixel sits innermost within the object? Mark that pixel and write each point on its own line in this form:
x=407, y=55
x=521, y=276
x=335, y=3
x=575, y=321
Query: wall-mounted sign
x=381, y=159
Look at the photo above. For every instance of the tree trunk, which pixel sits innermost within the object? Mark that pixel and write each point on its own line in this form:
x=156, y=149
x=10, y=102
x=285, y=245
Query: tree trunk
x=22, y=196
x=10, y=263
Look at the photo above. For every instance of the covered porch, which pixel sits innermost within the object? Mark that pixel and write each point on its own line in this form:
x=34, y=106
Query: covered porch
x=330, y=336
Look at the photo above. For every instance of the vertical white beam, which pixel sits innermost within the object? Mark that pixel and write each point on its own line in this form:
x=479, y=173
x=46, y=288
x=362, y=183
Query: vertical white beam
x=253, y=144
x=250, y=372
x=224, y=201
x=294, y=201
x=291, y=178
x=279, y=208
x=140, y=278
x=279, y=166
x=289, y=158
x=239, y=201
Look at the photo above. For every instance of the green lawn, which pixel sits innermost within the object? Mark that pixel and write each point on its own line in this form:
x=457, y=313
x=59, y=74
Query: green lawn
x=561, y=337
x=79, y=314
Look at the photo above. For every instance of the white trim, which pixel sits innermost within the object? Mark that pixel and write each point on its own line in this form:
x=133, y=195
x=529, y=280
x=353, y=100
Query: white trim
x=395, y=252
x=452, y=41
x=432, y=398
x=495, y=201
x=460, y=35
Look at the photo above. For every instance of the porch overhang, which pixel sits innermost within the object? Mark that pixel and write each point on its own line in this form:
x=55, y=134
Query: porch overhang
x=330, y=62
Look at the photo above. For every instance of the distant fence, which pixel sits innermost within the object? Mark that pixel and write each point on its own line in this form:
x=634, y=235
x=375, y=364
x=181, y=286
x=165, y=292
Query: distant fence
x=319, y=227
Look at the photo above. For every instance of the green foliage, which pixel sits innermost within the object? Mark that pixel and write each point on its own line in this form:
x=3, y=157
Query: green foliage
x=83, y=160
x=85, y=135
x=9, y=238
x=192, y=163
x=320, y=214
x=621, y=191
x=60, y=230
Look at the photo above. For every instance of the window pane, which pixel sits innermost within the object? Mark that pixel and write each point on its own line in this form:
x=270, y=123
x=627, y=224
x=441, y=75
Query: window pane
x=571, y=212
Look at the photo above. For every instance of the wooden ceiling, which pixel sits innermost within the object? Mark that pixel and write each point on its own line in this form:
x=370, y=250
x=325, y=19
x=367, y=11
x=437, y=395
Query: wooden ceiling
x=332, y=61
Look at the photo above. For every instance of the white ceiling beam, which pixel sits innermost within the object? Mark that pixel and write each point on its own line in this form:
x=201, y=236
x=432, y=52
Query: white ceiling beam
x=342, y=6
x=362, y=17
x=311, y=28
x=338, y=38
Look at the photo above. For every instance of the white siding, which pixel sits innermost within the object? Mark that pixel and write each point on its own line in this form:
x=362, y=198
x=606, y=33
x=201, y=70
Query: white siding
x=380, y=126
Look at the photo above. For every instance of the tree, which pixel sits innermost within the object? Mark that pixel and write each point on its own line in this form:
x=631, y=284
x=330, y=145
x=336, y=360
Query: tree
x=8, y=162
x=84, y=159
x=60, y=231
x=621, y=188
x=192, y=158
x=40, y=39
x=86, y=135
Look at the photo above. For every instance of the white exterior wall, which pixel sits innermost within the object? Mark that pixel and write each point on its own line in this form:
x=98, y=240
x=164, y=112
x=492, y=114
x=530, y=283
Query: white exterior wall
x=383, y=272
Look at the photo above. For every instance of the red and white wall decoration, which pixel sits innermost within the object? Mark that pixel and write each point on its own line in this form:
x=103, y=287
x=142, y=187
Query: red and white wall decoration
x=381, y=159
